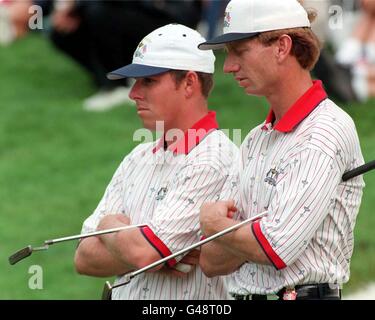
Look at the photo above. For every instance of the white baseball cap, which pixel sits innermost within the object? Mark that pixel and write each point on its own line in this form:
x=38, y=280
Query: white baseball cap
x=172, y=47
x=247, y=18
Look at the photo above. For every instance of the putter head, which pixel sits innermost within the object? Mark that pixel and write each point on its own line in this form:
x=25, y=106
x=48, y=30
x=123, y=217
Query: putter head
x=107, y=291
x=24, y=253
x=20, y=255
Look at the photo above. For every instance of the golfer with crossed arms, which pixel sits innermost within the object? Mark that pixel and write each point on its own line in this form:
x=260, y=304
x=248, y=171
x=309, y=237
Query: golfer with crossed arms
x=290, y=166
x=164, y=183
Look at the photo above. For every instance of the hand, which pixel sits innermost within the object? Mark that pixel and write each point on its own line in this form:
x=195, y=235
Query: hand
x=190, y=260
x=211, y=214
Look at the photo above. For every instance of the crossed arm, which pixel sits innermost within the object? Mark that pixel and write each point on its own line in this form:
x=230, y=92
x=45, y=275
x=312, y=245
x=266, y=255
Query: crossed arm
x=299, y=189
x=119, y=253
x=115, y=253
x=227, y=253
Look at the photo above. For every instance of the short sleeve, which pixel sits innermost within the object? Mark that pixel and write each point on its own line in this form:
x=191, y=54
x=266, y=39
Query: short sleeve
x=304, y=193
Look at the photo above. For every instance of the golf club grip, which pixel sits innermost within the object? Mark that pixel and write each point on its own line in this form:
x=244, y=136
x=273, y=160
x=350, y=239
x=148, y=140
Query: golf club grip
x=358, y=171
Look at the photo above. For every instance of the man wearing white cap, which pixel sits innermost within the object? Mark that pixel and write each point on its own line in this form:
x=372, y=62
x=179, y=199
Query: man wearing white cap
x=164, y=183
x=290, y=166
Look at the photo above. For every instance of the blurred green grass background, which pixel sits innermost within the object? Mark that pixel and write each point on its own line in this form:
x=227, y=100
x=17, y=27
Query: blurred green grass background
x=56, y=160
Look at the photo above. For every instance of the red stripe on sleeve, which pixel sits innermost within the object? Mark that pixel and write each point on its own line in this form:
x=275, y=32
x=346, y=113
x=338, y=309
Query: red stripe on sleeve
x=158, y=245
x=267, y=248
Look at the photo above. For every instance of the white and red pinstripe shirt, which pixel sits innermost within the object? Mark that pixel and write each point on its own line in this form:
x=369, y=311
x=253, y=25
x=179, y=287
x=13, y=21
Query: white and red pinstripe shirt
x=165, y=189
x=293, y=170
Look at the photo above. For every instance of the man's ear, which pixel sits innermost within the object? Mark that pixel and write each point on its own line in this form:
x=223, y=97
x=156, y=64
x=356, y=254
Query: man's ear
x=191, y=83
x=283, y=47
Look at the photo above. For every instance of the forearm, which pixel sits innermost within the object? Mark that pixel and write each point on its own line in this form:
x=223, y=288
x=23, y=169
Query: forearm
x=241, y=242
x=93, y=259
x=246, y=246
x=128, y=246
x=216, y=260
x=131, y=248
x=120, y=244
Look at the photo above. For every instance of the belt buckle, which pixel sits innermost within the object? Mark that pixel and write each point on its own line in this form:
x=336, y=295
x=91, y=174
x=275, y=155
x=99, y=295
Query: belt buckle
x=290, y=294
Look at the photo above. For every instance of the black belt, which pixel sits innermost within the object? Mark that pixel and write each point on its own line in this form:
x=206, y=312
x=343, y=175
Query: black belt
x=249, y=297
x=322, y=291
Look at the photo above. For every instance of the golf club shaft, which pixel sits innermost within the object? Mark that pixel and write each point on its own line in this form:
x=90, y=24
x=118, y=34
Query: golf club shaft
x=193, y=246
x=358, y=171
x=92, y=234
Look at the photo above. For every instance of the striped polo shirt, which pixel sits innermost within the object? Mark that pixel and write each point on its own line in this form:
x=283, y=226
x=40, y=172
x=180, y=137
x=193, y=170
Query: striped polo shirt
x=165, y=190
x=294, y=171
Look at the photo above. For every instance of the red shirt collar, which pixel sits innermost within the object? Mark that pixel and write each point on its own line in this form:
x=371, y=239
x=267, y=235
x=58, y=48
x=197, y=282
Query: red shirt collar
x=192, y=136
x=299, y=110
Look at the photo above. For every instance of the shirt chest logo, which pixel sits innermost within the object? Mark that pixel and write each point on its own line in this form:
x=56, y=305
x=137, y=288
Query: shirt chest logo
x=161, y=193
x=271, y=177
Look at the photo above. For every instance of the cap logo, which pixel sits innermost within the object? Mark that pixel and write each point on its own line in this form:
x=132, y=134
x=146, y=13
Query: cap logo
x=227, y=19
x=141, y=49
x=227, y=16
